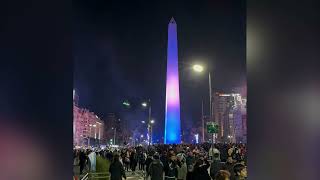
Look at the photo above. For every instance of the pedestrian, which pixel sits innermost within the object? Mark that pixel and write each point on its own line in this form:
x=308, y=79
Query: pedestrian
x=126, y=160
x=156, y=168
x=141, y=160
x=201, y=170
x=213, y=150
x=240, y=171
x=92, y=161
x=148, y=162
x=116, y=169
x=133, y=161
x=190, y=161
x=222, y=175
x=228, y=166
x=182, y=168
x=216, y=165
x=82, y=160
x=170, y=168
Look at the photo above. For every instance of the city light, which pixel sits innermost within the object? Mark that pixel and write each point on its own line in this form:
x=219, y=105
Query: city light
x=143, y=122
x=144, y=104
x=126, y=103
x=225, y=95
x=197, y=138
x=197, y=68
x=141, y=136
x=152, y=121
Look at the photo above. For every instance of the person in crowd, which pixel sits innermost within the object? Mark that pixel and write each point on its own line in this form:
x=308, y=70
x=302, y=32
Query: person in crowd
x=82, y=160
x=92, y=160
x=145, y=158
x=170, y=168
x=148, y=162
x=228, y=166
x=133, y=161
x=240, y=171
x=222, y=175
x=126, y=160
x=141, y=160
x=213, y=150
x=216, y=165
x=182, y=168
x=116, y=169
x=190, y=161
x=201, y=170
x=156, y=168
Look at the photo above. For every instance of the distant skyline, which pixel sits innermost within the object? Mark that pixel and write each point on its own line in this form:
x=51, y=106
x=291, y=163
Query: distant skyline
x=120, y=52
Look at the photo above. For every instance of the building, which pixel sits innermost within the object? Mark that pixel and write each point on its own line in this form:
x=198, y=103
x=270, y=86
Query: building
x=230, y=114
x=88, y=128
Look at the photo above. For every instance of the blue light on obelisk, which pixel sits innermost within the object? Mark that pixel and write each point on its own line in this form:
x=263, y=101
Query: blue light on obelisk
x=172, y=122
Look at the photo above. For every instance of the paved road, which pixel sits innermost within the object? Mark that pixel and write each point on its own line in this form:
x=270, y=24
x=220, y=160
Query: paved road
x=138, y=175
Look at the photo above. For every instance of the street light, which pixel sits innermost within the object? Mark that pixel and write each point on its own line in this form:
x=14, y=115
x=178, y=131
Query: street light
x=126, y=103
x=114, y=135
x=143, y=122
x=199, y=68
x=197, y=138
x=144, y=104
x=151, y=124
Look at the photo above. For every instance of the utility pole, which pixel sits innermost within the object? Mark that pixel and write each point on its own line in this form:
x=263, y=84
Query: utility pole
x=202, y=118
x=149, y=124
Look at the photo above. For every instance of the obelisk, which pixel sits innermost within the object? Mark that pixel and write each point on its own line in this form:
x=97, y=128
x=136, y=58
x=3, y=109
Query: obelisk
x=172, y=122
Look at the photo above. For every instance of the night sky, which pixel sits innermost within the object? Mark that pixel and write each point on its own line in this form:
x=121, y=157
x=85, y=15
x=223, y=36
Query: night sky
x=120, y=52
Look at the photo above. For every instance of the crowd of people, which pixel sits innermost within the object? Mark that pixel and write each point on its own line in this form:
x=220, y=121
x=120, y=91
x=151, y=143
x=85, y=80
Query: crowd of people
x=169, y=162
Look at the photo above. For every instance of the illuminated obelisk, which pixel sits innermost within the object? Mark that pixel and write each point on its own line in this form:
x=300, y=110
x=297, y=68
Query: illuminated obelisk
x=172, y=122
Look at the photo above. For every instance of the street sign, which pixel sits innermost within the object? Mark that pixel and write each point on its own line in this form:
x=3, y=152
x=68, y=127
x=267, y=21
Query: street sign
x=212, y=127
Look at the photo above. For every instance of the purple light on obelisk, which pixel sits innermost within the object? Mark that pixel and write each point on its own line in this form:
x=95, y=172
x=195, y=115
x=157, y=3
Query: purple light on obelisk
x=172, y=121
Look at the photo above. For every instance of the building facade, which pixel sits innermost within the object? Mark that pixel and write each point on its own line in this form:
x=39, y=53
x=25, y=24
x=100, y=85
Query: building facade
x=88, y=128
x=230, y=114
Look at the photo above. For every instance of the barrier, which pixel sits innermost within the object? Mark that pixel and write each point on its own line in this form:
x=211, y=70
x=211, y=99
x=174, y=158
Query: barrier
x=96, y=176
x=85, y=177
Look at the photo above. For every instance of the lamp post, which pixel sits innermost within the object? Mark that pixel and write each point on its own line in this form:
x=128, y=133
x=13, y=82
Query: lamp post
x=199, y=68
x=114, y=135
x=151, y=124
x=145, y=104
